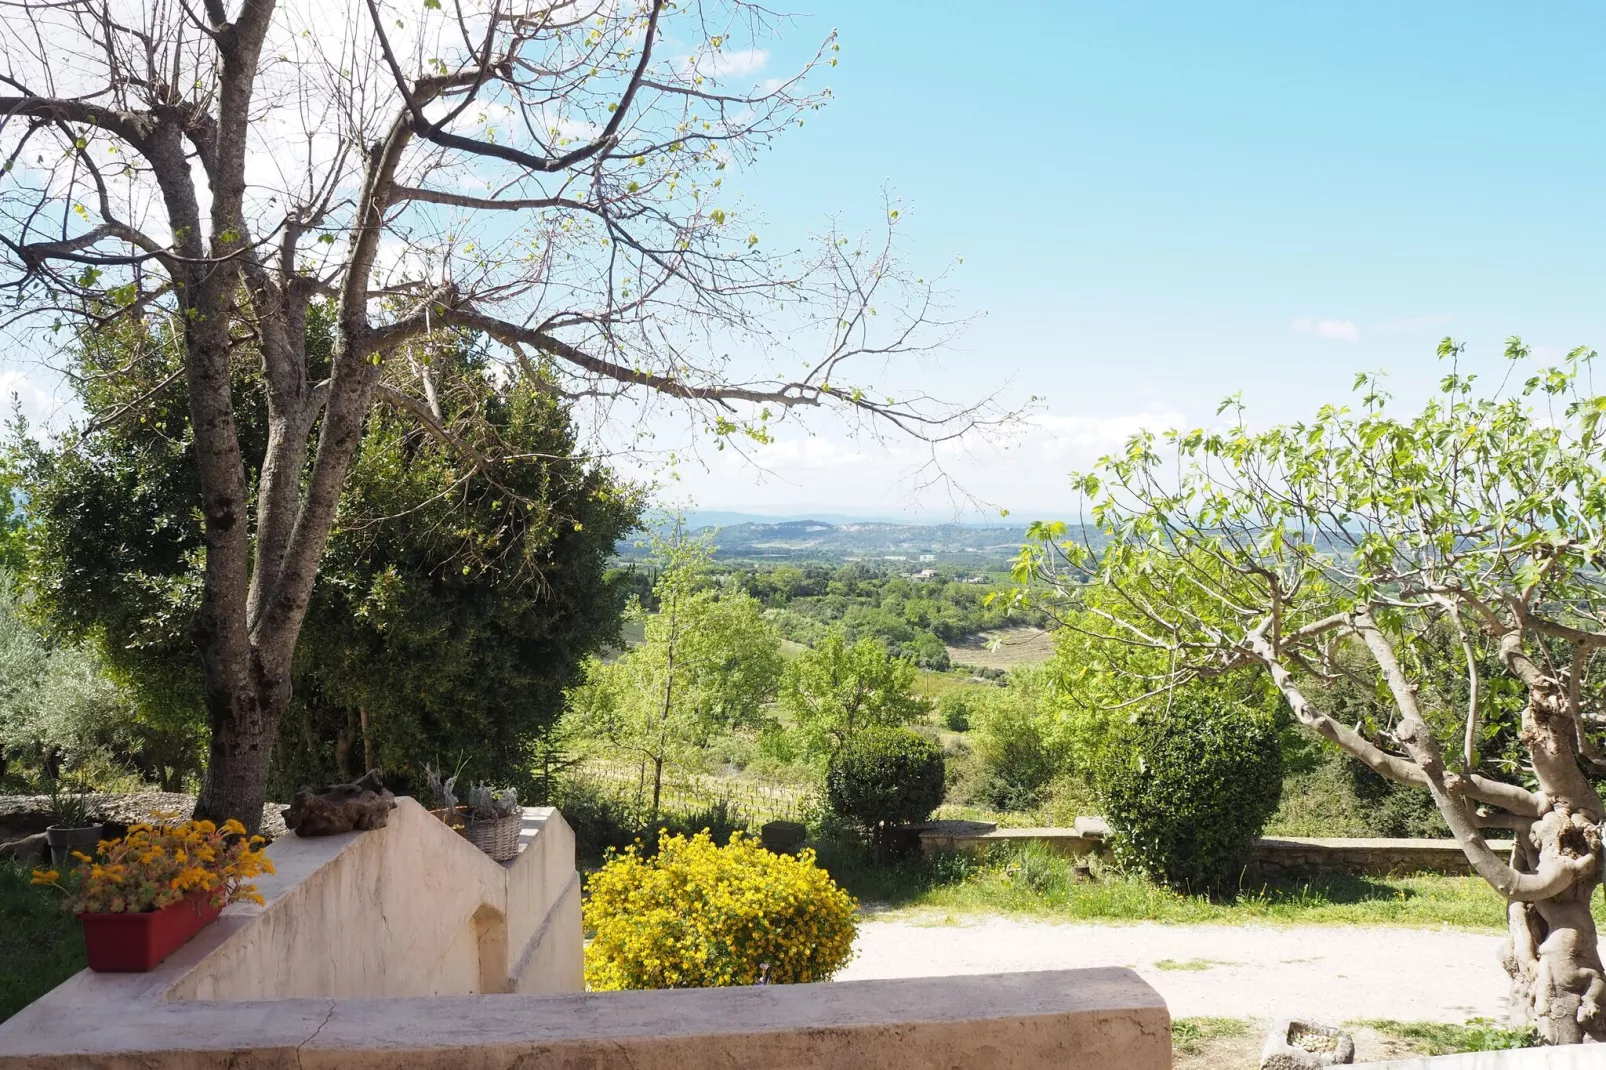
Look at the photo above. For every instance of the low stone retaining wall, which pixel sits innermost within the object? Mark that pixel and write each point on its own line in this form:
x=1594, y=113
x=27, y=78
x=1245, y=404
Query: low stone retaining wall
x=1271, y=857
x=1105, y=1019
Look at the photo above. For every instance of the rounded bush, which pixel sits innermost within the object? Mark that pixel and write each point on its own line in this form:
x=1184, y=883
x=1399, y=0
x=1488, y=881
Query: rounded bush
x=1187, y=789
x=696, y=915
x=889, y=775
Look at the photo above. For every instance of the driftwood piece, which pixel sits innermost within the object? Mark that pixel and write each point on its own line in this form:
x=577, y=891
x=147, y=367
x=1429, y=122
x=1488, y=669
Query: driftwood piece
x=27, y=849
x=356, y=807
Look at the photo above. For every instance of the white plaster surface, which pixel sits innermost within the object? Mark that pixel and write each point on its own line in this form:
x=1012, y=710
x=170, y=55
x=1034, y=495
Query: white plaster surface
x=1065, y=1020
x=1568, y=1057
x=395, y=912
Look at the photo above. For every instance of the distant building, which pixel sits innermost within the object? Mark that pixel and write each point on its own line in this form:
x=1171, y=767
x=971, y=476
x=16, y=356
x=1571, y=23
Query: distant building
x=928, y=557
x=925, y=574
x=895, y=557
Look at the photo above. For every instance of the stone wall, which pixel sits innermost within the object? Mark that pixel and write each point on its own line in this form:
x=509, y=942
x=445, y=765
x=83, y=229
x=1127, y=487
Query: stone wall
x=1271, y=857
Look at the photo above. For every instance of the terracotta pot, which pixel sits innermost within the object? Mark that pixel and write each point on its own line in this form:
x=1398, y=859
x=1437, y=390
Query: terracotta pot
x=453, y=819
x=134, y=943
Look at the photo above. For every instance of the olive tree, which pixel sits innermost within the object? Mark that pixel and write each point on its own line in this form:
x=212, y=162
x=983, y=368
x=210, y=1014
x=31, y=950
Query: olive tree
x=708, y=662
x=549, y=175
x=1354, y=543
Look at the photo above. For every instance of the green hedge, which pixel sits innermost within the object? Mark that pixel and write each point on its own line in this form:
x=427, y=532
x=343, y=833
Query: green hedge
x=889, y=775
x=1187, y=788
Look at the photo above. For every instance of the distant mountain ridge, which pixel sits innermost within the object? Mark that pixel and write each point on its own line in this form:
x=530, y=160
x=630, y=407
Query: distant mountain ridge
x=809, y=539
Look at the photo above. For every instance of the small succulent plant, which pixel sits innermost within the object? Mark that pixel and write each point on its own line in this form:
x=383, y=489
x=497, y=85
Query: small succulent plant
x=441, y=788
x=486, y=803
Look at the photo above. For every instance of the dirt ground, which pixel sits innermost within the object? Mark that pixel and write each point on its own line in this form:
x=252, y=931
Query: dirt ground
x=1243, y=1052
x=1003, y=649
x=1330, y=974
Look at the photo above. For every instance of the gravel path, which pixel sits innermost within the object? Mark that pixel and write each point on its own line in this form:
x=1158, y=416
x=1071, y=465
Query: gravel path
x=1330, y=973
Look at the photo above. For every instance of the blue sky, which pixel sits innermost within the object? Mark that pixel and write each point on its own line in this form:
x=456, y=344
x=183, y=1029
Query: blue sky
x=1162, y=204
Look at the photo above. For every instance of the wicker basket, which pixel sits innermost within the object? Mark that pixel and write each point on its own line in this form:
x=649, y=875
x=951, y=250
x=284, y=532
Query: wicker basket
x=498, y=837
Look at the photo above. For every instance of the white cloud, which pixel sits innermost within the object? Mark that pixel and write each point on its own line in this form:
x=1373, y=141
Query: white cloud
x=1028, y=474
x=736, y=61
x=1344, y=330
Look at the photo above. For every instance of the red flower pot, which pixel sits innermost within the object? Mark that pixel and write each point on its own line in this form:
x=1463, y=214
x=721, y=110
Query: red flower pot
x=134, y=943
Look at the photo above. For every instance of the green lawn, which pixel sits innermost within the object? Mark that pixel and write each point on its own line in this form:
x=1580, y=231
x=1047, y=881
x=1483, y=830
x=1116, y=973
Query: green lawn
x=1032, y=882
x=1438, y=1038
x=40, y=943
x=1191, y=1035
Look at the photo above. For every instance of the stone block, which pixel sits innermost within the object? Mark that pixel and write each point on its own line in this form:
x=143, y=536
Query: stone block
x=1294, y=1044
x=783, y=837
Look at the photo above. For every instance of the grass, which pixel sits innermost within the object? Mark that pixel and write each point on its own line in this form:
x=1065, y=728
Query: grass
x=1188, y=1035
x=1438, y=1038
x=1004, y=648
x=933, y=685
x=1190, y=965
x=1030, y=881
x=40, y=943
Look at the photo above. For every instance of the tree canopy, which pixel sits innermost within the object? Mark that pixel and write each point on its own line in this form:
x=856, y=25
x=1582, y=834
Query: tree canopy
x=708, y=661
x=1364, y=542
x=455, y=605
x=549, y=177
x=837, y=689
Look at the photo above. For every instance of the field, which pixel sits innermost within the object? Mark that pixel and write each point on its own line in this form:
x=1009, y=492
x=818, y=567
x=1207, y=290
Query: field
x=757, y=801
x=1003, y=649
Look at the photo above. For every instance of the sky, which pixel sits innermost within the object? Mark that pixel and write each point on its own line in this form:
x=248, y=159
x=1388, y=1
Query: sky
x=1159, y=205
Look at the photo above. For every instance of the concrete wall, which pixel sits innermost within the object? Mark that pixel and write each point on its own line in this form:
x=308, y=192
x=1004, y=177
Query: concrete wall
x=1564, y=1057
x=1106, y=1019
x=406, y=947
x=1270, y=857
x=411, y=909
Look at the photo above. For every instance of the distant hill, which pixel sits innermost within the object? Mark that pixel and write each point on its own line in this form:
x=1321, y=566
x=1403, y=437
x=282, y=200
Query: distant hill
x=822, y=540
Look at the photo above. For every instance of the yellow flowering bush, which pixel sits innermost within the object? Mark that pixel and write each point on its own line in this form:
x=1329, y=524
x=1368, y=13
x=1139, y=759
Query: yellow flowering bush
x=157, y=865
x=701, y=916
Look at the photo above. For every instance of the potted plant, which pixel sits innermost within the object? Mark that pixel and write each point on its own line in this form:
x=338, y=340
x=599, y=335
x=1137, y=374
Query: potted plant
x=494, y=820
x=446, y=805
x=71, y=828
x=141, y=897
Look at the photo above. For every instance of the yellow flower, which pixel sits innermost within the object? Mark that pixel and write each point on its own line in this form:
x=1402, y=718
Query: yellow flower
x=699, y=915
x=45, y=876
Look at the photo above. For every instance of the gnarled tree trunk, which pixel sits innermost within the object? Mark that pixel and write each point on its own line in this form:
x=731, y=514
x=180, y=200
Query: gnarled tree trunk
x=1555, y=967
x=1552, y=954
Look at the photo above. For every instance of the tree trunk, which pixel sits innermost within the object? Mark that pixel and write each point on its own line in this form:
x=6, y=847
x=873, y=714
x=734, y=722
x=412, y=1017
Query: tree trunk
x=367, y=740
x=245, y=725
x=344, y=741
x=657, y=791
x=1557, y=980
x=1555, y=966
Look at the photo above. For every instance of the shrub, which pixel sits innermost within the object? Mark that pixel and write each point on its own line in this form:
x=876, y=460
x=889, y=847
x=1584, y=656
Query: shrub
x=1016, y=758
x=721, y=819
x=885, y=776
x=954, y=710
x=701, y=916
x=601, y=817
x=1186, y=789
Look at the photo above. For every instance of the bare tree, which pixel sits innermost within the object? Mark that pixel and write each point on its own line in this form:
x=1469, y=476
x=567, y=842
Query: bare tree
x=549, y=174
x=1369, y=543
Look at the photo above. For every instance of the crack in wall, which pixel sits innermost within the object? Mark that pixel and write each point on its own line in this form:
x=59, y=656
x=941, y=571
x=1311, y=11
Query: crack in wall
x=314, y=1035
